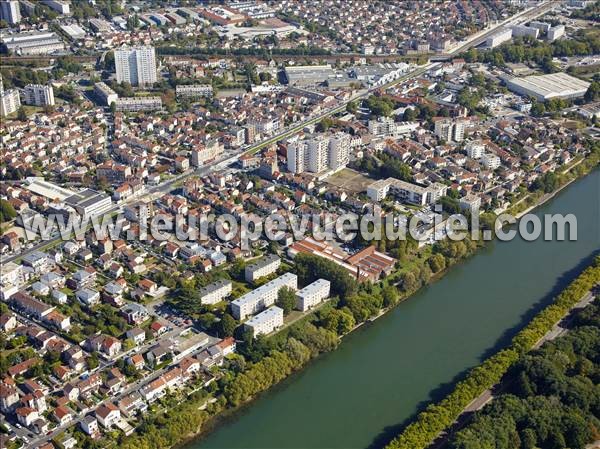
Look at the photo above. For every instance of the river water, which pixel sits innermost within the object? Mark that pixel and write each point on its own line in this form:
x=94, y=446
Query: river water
x=361, y=394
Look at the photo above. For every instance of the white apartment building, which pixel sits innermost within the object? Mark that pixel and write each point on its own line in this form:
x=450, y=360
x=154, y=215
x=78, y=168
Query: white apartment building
x=59, y=6
x=319, y=153
x=10, y=11
x=194, y=91
x=262, y=297
x=490, y=161
x=406, y=191
x=450, y=130
x=312, y=294
x=38, y=95
x=215, y=292
x=105, y=93
x=386, y=126
x=555, y=32
x=206, y=153
x=134, y=104
x=136, y=65
x=475, y=150
x=263, y=267
x=267, y=321
x=10, y=101
x=499, y=38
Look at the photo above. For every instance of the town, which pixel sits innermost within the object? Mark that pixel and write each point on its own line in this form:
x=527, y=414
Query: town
x=298, y=108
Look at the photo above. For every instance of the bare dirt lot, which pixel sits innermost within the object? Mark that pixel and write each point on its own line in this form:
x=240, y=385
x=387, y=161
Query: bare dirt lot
x=350, y=180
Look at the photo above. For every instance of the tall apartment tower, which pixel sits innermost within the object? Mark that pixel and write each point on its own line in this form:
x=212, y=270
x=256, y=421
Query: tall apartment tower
x=10, y=11
x=450, y=130
x=38, y=95
x=319, y=153
x=10, y=100
x=136, y=65
x=339, y=150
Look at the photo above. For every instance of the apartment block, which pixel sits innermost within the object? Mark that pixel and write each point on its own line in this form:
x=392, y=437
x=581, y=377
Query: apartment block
x=215, y=292
x=263, y=267
x=38, y=95
x=312, y=294
x=262, y=297
x=405, y=191
x=105, y=93
x=136, y=65
x=266, y=322
x=319, y=153
x=194, y=91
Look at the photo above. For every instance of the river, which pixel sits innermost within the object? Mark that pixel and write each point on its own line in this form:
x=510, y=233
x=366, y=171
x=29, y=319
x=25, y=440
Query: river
x=361, y=394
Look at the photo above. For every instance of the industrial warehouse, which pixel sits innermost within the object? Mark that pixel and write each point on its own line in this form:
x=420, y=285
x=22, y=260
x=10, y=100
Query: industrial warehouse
x=547, y=87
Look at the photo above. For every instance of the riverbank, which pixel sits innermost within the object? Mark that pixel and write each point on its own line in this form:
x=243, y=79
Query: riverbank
x=418, y=349
x=226, y=413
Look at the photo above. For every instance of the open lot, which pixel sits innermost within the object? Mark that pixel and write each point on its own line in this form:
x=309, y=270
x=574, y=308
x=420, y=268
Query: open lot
x=350, y=180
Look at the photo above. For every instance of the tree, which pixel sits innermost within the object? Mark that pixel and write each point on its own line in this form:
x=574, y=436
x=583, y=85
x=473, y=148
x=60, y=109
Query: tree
x=286, y=299
x=226, y=326
x=21, y=114
x=409, y=282
x=593, y=92
x=352, y=107
x=437, y=262
x=7, y=211
x=390, y=295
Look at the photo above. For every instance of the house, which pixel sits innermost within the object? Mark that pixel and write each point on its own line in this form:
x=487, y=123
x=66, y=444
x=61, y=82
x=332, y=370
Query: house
x=189, y=367
x=154, y=390
x=9, y=397
x=39, y=288
x=26, y=416
x=132, y=404
x=62, y=415
x=137, y=361
x=158, y=328
x=88, y=297
x=148, y=286
x=227, y=346
x=137, y=335
x=108, y=415
x=135, y=313
x=8, y=322
x=111, y=346
x=89, y=425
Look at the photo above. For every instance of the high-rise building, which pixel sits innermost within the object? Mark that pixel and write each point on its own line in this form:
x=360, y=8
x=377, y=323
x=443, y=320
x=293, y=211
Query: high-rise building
x=10, y=11
x=136, y=65
x=319, y=153
x=10, y=101
x=38, y=95
x=450, y=130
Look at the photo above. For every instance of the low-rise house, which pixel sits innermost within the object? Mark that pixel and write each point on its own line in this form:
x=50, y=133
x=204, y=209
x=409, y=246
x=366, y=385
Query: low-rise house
x=62, y=415
x=88, y=297
x=137, y=335
x=135, y=313
x=108, y=415
x=89, y=425
x=26, y=416
x=132, y=404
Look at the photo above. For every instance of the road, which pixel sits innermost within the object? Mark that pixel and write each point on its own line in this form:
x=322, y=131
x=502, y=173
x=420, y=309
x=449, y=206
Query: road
x=488, y=395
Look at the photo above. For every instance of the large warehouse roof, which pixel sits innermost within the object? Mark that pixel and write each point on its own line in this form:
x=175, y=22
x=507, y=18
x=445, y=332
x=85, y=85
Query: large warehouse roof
x=546, y=87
